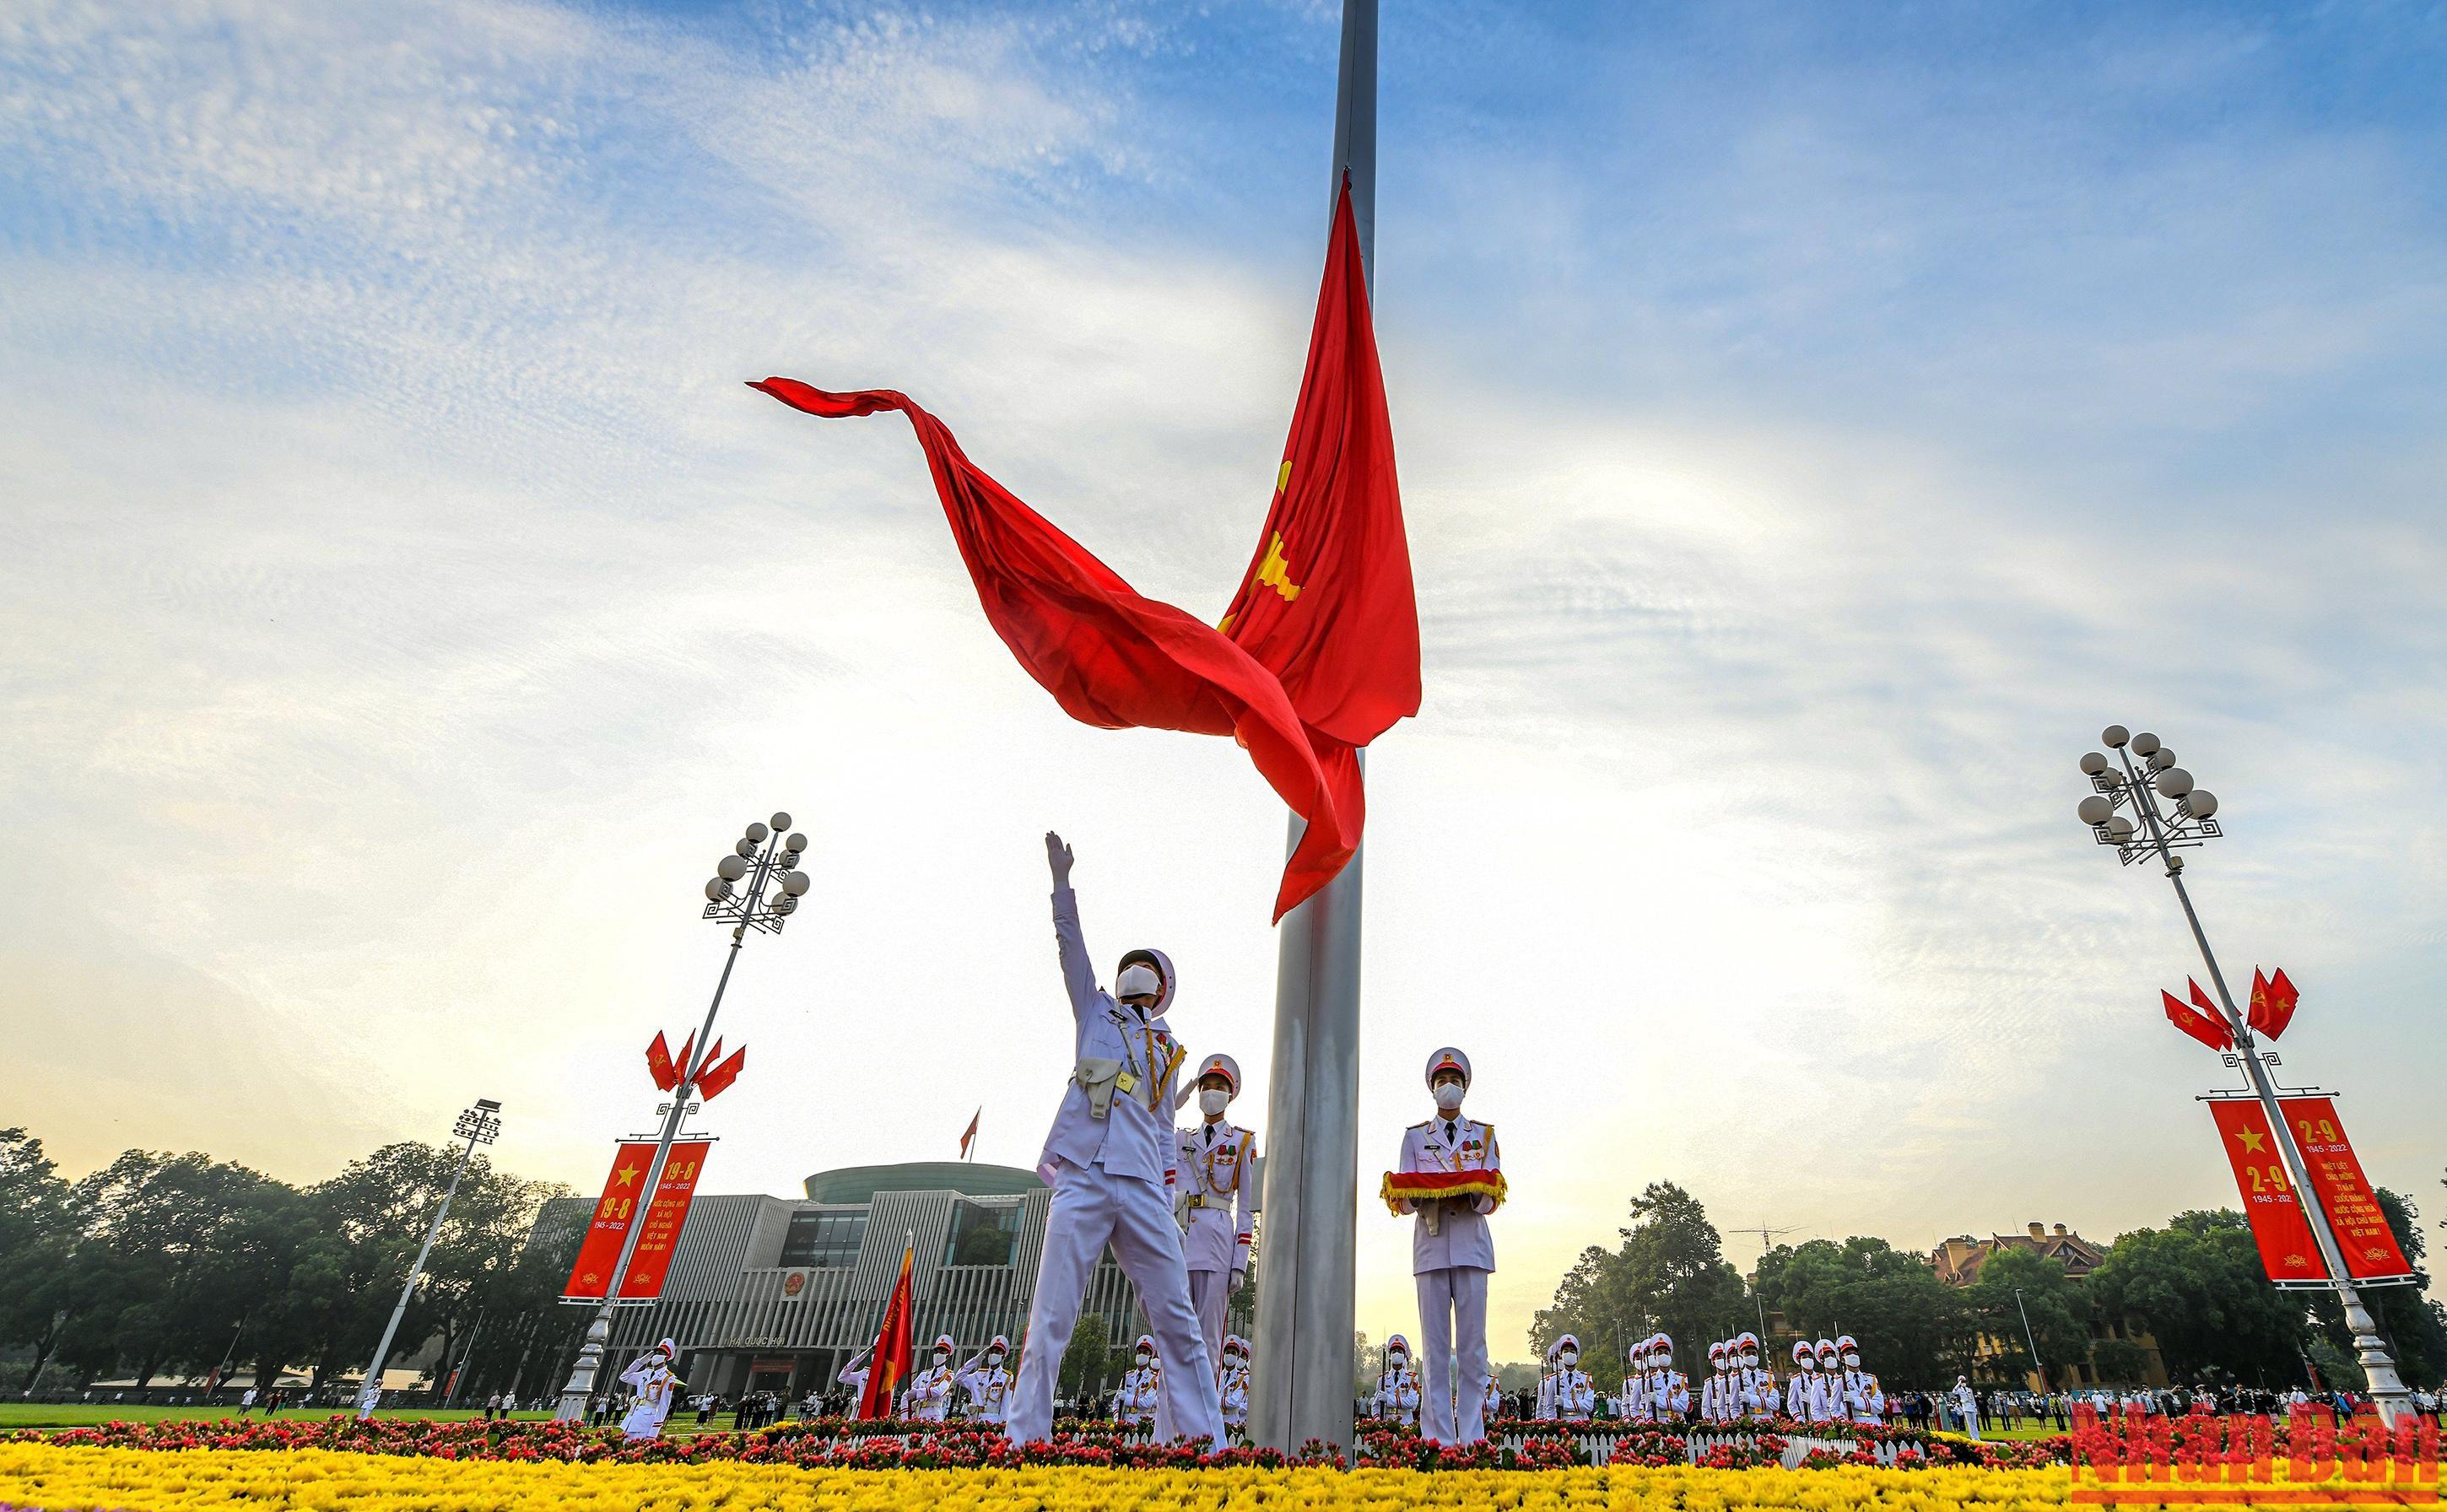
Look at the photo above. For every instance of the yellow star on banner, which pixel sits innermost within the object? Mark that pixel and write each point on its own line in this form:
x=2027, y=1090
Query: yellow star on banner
x=628, y=1174
x=2252, y=1138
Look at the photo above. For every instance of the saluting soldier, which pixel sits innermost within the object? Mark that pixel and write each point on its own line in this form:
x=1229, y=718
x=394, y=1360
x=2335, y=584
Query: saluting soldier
x=1451, y=1252
x=1109, y=1159
x=1216, y=1162
x=657, y=1389
x=1865, y=1401
x=987, y=1383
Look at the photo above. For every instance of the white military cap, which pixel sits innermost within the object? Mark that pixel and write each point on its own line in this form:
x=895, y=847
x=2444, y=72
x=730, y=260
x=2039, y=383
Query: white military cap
x=1230, y=1067
x=1447, y=1058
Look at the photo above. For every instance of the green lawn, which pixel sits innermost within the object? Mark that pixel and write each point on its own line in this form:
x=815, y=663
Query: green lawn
x=77, y=1415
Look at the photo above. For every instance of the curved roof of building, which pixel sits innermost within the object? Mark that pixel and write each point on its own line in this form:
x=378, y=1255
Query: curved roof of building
x=858, y=1183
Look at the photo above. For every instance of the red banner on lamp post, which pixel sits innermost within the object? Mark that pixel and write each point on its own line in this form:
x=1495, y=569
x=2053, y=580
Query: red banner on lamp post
x=2355, y=1217
x=2279, y=1226
x=618, y=1208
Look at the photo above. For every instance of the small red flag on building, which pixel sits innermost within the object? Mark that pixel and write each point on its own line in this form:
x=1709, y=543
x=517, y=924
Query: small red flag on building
x=715, y=1083
x=2210, y=1029
x=659, y=1063
x=969, y=1135
x=889, y=1365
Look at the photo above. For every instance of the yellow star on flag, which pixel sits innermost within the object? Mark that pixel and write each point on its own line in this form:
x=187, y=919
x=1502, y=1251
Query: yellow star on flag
x=2252, y=1138
x=628, y=1173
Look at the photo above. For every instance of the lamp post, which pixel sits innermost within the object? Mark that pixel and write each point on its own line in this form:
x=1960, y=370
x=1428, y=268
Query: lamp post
x=480, y=1124
x=2174, y=815
x=736, y=896
x=2031, y=1340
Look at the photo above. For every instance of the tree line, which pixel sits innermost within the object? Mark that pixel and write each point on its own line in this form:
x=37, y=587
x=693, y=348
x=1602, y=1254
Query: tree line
x=164, y=1266
x=2196, y=1285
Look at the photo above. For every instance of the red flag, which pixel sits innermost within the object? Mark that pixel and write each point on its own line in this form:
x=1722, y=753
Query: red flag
x=1327, y=603
x=2208, y=1029
x=715, y=1083
x=658, y=1063
x=970, y=1135
x=2272, y=1003
x=889, y=1365
x=685, y=1065
x=1110, y=657
x=712, y=1054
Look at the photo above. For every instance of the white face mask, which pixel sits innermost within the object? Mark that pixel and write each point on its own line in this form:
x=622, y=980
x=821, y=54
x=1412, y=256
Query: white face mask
x=1853, y=1360
x=994, y=1357
x=943, y=1356
x=1571, y=1356
x=1213, y=1099
x=1144, y=1359
x=1449, y=1096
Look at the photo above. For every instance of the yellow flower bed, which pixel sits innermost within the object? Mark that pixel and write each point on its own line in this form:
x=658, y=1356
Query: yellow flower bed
x=60, y=1479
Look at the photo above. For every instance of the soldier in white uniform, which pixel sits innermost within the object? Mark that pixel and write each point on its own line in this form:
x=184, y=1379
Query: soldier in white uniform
x=657, y=1389
x=1396, y=1397
x=1801, y=1390
x=930, y=1389
x=1966, y=1405
x=1492, y=1406
x=1669, y=1389
x=987, y=1383
x=1109, y=1159
x=1451, y=1252
x=1216, y=1160
x=1572, y=1397
x=1232, y=1383
x=1631, y=1401
x=1134, y=1403
x=1762, y=1396
x=1830, y=1385
x=1863, y=1397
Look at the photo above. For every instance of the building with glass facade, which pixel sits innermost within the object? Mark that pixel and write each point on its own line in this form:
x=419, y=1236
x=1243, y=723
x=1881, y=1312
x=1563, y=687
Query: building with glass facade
x=770, y=1293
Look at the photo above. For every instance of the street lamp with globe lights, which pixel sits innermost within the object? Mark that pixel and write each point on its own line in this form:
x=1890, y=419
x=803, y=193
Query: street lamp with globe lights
x=2151, y=809
x=755, y=887
x=480, y=1124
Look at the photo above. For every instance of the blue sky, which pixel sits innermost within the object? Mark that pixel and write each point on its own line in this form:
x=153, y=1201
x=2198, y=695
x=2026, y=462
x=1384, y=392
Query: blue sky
x=1815, y=423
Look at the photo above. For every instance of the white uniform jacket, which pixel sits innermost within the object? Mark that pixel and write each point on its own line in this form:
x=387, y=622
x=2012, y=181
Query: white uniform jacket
x=1864, y=1398
x=1234, y=1387
x=1140, y=1388
x=1133, y=1138
x=1669, y=1394
x=1214, y=1163
x=1493, y=1407
x=989, y=1388
x=1631, y=1403
x=1456, y=1238
x=930, y=1393
x=1799, y=1393
x=1397, y=1395
x=657, y=1389
x=1568, y=1396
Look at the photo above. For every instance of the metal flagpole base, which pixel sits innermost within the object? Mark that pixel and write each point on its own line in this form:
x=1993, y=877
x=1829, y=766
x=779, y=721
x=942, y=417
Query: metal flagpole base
x=580, y=1390
x=2387, y=1390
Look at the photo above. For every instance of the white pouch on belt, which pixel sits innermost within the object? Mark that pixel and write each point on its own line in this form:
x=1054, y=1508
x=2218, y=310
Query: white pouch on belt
x=1098, y=1078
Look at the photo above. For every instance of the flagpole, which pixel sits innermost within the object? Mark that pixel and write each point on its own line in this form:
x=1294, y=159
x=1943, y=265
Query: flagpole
x=1301, y=1368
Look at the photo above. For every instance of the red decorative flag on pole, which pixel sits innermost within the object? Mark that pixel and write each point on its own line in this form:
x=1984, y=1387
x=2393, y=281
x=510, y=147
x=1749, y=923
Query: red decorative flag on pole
x=1327, y=602
x=684, y=1064
x=889, y=1365
x=1111, y=657
x=2287, y=1252
x=716, y=1082
x=969, y=1135
x=659, y=1063
x=2369, y=1246
x=2210, y=1029
x=2273, y=1003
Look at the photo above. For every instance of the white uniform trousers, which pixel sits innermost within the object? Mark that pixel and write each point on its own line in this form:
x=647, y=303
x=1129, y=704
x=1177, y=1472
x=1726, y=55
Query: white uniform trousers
x=1091, y=1207
x=1453, y=1310
x=1209, y=1292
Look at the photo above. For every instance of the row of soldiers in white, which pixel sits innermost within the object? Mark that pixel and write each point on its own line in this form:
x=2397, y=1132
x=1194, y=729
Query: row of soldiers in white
x=1828, y=1385
x=1397, y=1394
x=928, y=1396
x=1140, y=1395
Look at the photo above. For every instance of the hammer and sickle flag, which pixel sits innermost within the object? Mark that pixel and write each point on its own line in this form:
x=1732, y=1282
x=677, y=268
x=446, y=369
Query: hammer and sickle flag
x=1320, y=651
x=1327, y=602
